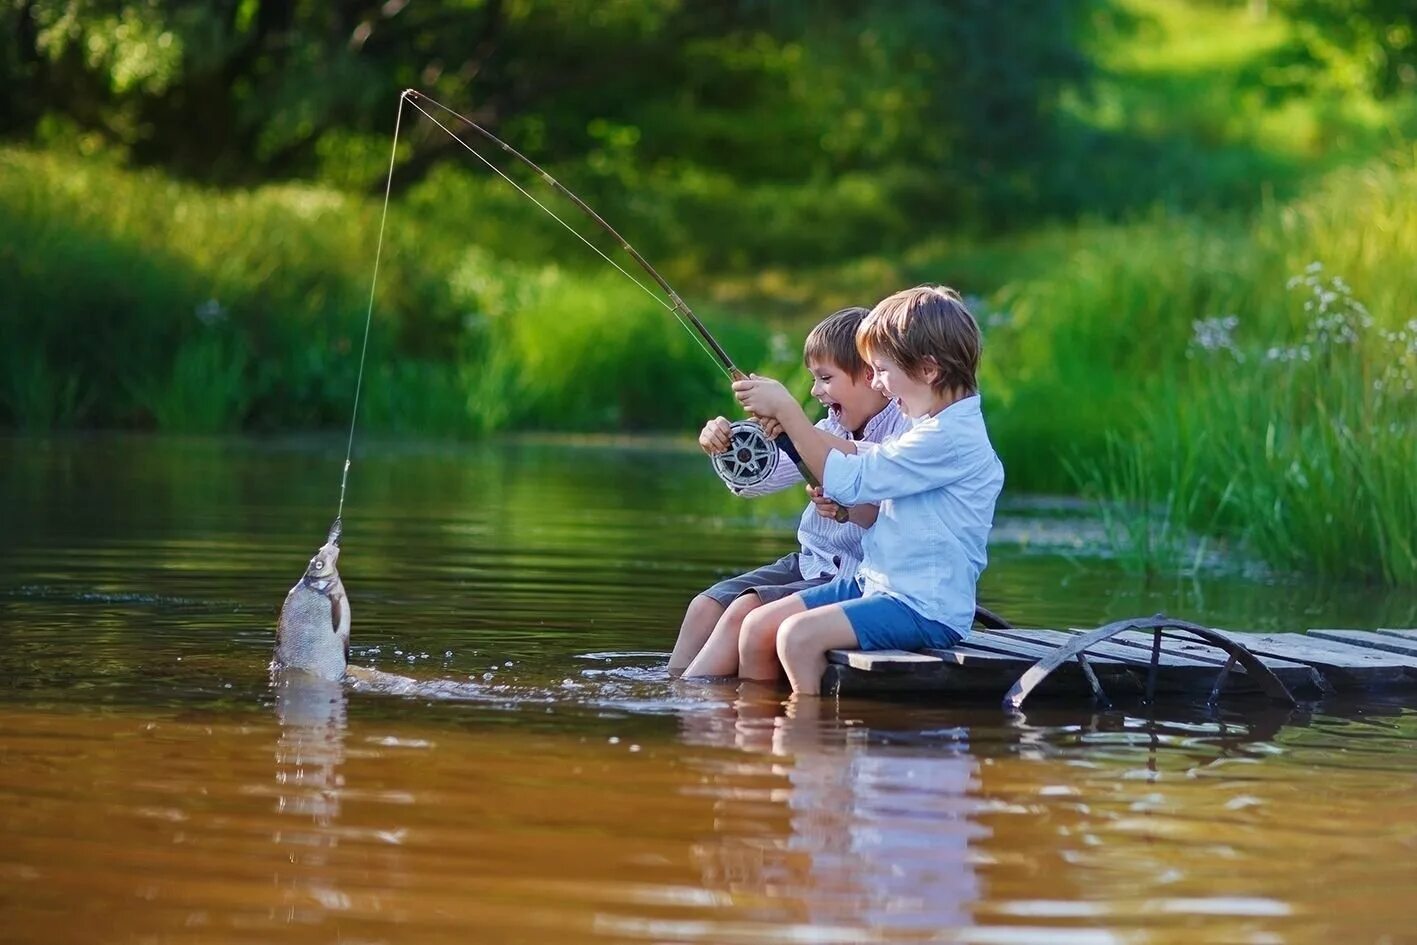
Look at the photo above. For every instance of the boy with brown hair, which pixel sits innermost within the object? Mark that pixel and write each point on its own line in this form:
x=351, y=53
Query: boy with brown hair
x=856, y=412
x=936, y=485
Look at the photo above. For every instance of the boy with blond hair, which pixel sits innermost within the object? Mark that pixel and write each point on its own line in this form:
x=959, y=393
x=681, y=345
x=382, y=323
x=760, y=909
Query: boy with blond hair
x=936, y=485
x=830, y=535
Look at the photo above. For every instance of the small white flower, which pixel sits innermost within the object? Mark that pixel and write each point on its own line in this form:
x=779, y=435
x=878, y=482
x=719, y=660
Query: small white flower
x=210, y=312
x=779, y=347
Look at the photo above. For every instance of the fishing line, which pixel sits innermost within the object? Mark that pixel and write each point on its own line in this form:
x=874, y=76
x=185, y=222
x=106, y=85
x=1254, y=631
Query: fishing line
x=369, y=315
x=750, y=458
x=720, y=358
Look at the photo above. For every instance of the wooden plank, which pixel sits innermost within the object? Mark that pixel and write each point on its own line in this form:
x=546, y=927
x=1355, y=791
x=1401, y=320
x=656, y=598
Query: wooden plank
x=962, y=654
x=1344, y=666
x=1175, y=672
x=906, y=661
x=1391, y=631
x=963, y=670
x=958, y=671
x=1292, y=673
x=1360, y=655
x=1407, y=646
x=1115, y=676
x=1118, y=651
x=880, y=660
x=1032, y=650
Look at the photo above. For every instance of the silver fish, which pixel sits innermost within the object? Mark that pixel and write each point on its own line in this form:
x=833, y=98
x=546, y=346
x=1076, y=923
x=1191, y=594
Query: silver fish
x=313, y=633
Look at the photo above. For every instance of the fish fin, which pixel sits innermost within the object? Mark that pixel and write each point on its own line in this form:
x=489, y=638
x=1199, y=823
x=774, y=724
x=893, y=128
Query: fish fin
x=336, y=604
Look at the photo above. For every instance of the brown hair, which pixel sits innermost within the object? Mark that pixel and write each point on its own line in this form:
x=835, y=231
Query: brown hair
x=928, y=323
x=834, y=340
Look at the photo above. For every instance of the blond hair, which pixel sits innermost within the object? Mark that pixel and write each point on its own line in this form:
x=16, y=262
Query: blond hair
x=927, y=326
x=834, y=340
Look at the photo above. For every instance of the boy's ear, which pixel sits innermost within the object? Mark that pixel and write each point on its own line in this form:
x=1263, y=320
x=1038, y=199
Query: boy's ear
x=930, y=368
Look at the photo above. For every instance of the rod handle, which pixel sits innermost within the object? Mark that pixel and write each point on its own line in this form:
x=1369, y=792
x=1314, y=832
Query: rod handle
x=784, y=443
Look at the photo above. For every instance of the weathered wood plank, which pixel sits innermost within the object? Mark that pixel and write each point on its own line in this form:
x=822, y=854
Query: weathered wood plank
x=962, y=653
x=1294, y=674
x=907, y=661
x=1344, y=666
x=1175, y=672
x=1033, y=649
x=960, y=671
x=986, y=663
x=881, y=660
x=1115, y=676
x=1119, y=651
x=1366, y=638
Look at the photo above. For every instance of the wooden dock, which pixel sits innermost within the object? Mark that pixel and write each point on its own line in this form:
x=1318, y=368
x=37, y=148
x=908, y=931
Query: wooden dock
x=1137, y=659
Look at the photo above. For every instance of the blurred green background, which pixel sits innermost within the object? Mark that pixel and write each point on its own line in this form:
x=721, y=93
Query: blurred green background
x=1187, y=227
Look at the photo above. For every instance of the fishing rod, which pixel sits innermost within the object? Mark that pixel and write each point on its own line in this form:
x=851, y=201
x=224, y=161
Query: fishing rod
x=751, y=456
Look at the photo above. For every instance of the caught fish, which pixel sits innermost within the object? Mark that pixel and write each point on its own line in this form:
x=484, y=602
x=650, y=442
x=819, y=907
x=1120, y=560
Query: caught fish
x=313, y=633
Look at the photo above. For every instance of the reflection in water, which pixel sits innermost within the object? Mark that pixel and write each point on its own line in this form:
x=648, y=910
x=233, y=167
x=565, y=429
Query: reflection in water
x=309, y=756
x=854, y=835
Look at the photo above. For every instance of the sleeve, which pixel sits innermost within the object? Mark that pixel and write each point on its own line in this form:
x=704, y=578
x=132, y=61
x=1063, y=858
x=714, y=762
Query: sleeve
x=916, y=461
x=784, y=475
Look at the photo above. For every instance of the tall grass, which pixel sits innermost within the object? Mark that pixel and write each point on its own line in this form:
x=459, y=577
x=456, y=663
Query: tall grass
x=1303, y=448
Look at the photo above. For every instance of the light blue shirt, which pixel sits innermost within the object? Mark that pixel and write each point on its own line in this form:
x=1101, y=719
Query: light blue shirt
x=936, y=485
x=830, y=548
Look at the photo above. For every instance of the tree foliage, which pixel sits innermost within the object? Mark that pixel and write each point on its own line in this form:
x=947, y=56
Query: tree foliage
x=1373, y=43
x=952, y=102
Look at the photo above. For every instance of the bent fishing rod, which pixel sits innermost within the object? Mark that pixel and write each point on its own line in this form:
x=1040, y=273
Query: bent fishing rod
x=751, y=457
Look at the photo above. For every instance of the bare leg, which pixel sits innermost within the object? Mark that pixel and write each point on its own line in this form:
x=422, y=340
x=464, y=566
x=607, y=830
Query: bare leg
x=757, y=642
x=719, y=656
x=802, y=643
x=699, y=619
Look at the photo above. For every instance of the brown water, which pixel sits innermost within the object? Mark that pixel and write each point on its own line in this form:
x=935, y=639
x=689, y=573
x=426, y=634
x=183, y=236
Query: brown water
x=155, y=788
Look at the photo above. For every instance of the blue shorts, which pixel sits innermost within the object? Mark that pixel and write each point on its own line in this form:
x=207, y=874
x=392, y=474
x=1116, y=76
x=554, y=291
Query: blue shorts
x=880, y=622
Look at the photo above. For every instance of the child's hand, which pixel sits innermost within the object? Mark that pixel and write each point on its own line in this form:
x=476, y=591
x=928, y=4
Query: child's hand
x=771, y=428
x=826, y=508
x=716, y=436
x=763, y=397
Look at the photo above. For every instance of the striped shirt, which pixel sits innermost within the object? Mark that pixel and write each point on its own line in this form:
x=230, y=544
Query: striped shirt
x=829, y=548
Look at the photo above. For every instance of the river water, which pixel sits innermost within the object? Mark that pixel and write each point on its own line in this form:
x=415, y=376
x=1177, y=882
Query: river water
x=154, y=787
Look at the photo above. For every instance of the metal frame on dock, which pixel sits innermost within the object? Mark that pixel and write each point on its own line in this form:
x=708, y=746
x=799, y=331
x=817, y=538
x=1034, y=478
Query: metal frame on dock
x=1160, y=625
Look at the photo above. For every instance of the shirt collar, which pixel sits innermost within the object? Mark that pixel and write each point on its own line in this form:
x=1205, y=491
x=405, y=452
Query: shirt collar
x=886, y=415
x=964, y=407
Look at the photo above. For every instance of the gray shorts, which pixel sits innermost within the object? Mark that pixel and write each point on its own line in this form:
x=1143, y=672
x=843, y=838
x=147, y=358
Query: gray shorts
x=771, y=582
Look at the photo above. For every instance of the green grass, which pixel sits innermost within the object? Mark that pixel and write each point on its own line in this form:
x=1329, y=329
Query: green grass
x=1301, y=448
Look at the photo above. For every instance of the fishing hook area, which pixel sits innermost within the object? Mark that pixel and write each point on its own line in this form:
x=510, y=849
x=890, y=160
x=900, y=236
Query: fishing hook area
x=750, y=458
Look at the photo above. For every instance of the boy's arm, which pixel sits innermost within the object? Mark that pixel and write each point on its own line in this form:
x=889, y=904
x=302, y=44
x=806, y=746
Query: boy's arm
x=917, y=461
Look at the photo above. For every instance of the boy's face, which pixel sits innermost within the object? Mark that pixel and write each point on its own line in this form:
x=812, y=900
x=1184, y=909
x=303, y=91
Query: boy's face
x=852, y=401
x=915, y=396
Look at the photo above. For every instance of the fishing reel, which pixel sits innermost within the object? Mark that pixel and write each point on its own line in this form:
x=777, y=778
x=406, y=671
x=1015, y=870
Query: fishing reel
x=750, y=458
